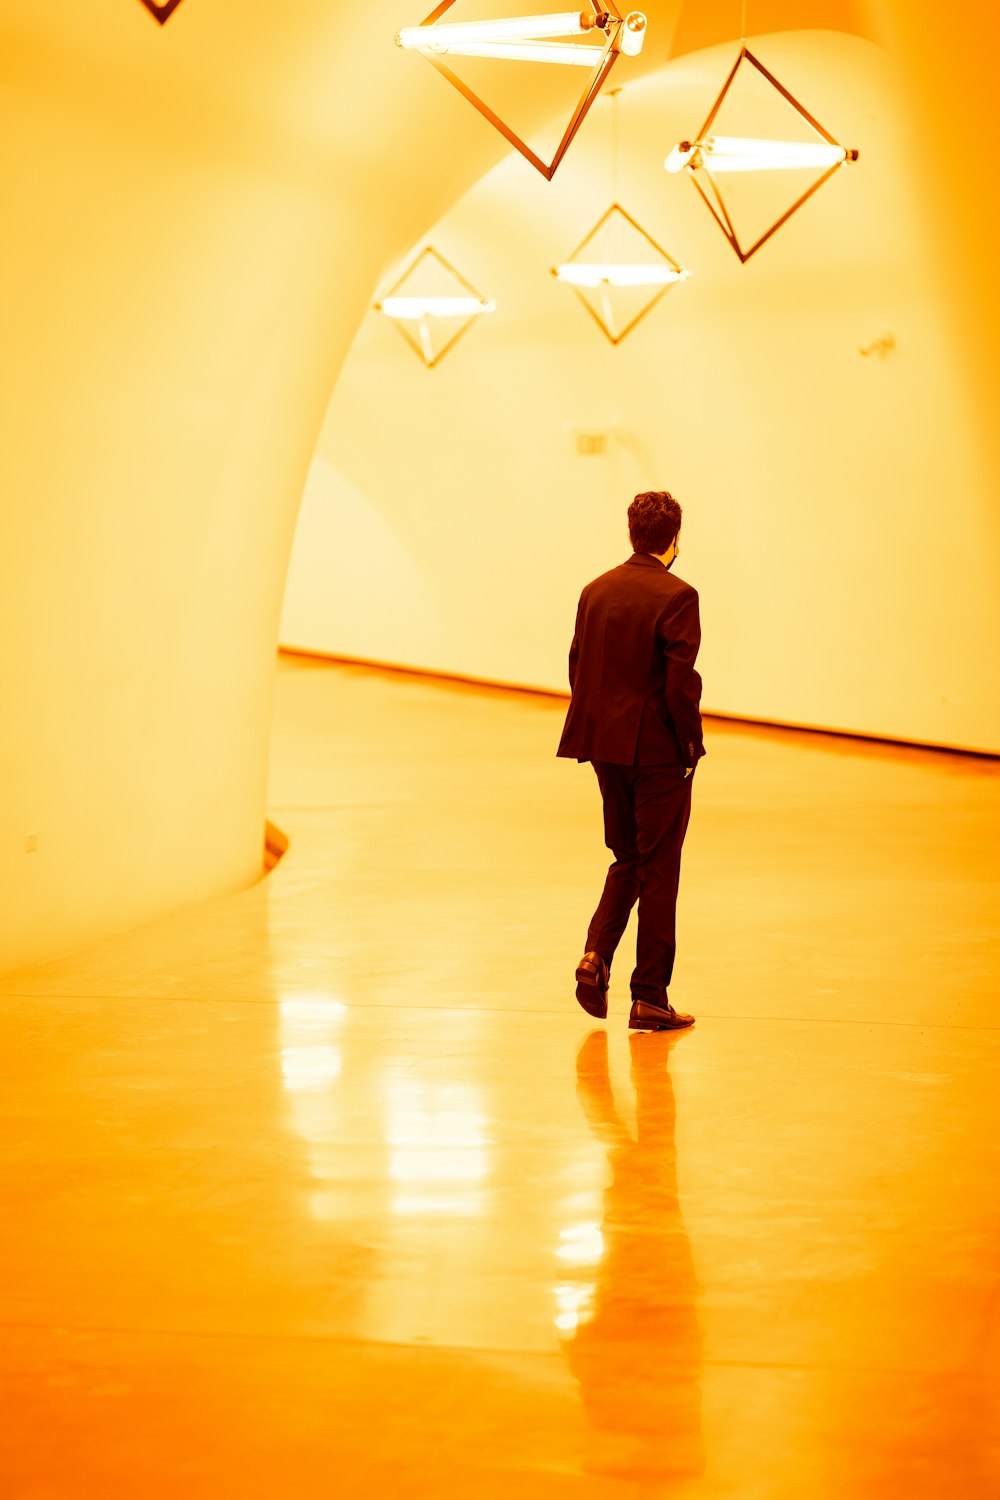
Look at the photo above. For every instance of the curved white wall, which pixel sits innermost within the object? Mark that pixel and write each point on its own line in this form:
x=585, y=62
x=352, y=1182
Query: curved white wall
x=840, y=518
x=195, y=217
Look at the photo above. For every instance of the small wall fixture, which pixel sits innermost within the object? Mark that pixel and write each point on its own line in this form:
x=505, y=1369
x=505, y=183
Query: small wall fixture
x=619, y=273
x=591, y=38
x=432, y=305
x=710, y=156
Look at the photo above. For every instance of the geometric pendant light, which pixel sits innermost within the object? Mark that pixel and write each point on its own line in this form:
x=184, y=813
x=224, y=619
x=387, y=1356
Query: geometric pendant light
x=710, y=157
x=432, y=305
x=619, y=273
x=591, y=38
x=161, y=10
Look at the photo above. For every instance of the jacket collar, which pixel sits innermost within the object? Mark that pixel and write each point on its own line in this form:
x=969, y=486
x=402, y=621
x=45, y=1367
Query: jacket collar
x=644, y=560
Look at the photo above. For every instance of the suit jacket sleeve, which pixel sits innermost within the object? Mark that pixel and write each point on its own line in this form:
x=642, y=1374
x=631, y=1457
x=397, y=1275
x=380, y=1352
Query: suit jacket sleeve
x=680, y=633
x=574, y=650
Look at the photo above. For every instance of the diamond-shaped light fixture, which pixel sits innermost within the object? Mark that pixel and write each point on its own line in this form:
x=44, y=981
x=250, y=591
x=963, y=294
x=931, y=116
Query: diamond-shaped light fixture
x=709, y=157
x=619, y=273
x=432, y=305
x=161, y=10
x=590, y=38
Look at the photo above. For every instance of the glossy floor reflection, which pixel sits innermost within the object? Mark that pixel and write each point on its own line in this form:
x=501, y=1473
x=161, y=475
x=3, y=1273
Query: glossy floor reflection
x=330, y=1187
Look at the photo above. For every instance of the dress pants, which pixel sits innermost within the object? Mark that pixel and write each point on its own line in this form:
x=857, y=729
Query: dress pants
x=646, y=811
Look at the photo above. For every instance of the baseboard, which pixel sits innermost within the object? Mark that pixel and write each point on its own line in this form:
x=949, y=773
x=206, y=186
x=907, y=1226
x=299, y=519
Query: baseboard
x=786, y=726
x=484, y=684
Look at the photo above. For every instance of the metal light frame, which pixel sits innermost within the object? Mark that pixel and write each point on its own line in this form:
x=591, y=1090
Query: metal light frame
x=606, y=12
x=668, y=286
x=415, y=344
x=161, y=10
x=715, y=201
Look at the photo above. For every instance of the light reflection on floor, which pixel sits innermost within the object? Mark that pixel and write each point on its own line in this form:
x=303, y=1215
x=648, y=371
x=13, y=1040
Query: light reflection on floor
x=331, y=1187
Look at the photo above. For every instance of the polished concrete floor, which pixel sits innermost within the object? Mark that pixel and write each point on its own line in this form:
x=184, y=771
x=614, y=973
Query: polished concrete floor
x=331, y=1189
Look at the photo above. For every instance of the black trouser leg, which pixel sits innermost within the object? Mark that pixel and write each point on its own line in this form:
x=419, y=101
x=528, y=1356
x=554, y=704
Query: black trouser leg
x=662, y=803
x=621, y=887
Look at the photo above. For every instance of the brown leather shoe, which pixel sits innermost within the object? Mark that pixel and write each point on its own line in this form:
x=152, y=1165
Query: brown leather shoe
x=648, y=1017
x=592, y=985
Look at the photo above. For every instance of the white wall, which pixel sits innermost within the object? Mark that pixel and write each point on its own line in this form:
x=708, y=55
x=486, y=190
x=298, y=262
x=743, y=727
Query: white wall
x=840, y=519
x=194, y=220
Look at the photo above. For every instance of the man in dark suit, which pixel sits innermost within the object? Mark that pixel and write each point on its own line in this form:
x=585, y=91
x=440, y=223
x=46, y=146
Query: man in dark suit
x=634, y=714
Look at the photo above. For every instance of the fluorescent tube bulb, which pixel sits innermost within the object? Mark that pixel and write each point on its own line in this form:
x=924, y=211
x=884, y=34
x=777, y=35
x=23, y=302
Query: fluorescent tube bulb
x=413, y=308
x=567, y=53
x=595, y=273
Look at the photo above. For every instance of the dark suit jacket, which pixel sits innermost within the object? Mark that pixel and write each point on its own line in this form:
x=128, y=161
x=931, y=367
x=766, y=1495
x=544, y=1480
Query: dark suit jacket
x=631, y=669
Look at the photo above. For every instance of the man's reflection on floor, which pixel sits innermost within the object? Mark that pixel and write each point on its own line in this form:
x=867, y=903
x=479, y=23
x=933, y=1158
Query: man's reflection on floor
x=637, y=1356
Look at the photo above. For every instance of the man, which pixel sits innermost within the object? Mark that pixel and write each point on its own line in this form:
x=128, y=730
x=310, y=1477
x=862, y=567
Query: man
x=634, y=714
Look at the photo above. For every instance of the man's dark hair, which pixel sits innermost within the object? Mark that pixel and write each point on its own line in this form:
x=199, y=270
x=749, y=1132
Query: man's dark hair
x=654, y=519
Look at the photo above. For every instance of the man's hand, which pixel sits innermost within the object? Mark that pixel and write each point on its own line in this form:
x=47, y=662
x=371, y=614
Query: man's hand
x=688, y=771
